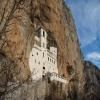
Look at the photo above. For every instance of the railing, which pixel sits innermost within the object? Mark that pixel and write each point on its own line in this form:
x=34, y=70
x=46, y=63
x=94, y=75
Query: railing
x=56, y=77
x=52, y=77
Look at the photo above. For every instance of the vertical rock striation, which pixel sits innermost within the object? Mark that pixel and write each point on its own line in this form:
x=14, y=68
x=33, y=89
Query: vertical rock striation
x=19, y=20
x=92, y=81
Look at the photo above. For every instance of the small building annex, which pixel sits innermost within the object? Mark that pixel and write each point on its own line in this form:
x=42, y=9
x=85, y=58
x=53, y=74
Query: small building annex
x=43, y=60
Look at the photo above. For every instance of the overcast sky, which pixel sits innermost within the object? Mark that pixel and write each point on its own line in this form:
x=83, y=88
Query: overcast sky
x=86, y=14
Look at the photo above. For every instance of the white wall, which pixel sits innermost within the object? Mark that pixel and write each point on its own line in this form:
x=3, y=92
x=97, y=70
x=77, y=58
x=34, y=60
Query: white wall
x=36, y=63
x=54, y=50
x=52, y=63
x=41, y=58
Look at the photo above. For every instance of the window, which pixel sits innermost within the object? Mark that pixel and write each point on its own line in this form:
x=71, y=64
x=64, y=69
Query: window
x=35, y=60
x=37, y=53
x=49, y=80
x=39, y=62
x=43, y=54
x=63, y=75
x=32, y=55
x=43, y=67
x=43, y=76
x=48, y=58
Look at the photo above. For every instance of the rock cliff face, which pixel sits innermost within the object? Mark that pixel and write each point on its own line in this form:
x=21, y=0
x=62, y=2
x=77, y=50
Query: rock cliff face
x=92, y=81
x=19, y=20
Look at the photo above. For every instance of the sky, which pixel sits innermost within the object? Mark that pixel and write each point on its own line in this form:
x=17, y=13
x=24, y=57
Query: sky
x=86, y=15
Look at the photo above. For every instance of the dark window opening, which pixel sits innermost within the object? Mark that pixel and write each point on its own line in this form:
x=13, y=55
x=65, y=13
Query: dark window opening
x=63, y=75
x=43, y=54
x=48, y=58
x=49, y=80
x=43, y=76
x=43, y=67
x=37, y=53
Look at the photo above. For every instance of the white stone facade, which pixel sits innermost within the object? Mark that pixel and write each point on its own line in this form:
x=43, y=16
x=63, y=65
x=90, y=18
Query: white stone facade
x=41, y=59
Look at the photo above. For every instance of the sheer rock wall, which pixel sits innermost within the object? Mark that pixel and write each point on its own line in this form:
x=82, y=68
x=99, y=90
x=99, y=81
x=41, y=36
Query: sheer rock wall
x=19, y=20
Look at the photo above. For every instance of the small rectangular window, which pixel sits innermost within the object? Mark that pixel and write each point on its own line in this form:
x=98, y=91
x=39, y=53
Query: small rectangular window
x=39, y=62
x=43, y=54
x=35, y=60
x=48, y=58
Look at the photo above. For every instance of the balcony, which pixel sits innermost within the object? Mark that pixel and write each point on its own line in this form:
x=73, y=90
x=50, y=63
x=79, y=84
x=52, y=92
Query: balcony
x=57, y=77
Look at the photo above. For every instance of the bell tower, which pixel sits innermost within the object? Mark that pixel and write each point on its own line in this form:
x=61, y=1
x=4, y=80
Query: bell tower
x=43, y=38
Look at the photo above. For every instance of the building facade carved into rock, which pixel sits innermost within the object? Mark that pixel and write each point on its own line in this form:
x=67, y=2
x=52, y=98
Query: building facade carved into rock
x=43, y=60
